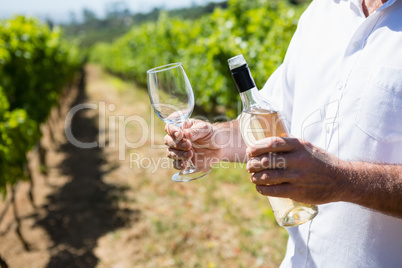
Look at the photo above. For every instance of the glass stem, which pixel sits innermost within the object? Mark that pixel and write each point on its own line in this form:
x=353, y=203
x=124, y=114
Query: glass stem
x=190, y=167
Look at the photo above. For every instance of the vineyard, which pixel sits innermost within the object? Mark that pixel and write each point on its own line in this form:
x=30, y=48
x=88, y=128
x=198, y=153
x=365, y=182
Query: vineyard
x=113, y=205
x=35, y=64
x=260, y=30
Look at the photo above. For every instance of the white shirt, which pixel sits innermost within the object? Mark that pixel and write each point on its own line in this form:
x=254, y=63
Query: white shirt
x=340, y=88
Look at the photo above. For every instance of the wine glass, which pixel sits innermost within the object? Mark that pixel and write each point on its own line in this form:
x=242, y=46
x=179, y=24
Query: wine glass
x=172, y=99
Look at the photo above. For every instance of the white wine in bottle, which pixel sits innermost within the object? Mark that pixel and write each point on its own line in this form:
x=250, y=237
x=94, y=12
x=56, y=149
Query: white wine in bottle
x=260, y=120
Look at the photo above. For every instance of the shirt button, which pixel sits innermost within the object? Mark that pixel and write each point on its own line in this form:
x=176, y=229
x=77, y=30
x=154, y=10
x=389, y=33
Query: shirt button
x=339, y=85
x=301, y=251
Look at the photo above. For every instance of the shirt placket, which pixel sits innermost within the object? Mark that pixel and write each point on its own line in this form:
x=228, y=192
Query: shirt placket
x=352, y=53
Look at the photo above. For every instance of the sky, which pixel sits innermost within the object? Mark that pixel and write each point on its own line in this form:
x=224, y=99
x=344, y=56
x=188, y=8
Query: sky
x=60, y=11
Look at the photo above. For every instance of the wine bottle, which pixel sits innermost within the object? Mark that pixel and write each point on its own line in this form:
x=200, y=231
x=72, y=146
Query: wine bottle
x=260, y=120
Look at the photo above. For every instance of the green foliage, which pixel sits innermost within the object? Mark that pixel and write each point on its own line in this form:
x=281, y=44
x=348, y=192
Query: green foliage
x=38, y=65
x=18, y=135
x=261, y=30
x=35, y=64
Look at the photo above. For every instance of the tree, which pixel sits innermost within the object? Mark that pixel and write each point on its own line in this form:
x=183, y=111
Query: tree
x=89, y=16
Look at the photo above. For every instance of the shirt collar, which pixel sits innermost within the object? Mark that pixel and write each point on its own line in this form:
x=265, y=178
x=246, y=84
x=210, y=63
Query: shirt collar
x=386, y=4
x=358, y=3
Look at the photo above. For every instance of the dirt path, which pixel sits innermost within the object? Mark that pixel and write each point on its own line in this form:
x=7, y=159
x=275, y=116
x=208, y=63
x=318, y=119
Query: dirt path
x=114, y=205
x=75, y=206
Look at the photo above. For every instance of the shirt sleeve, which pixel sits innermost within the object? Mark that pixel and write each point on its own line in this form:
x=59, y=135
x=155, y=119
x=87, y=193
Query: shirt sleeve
x=279, y=88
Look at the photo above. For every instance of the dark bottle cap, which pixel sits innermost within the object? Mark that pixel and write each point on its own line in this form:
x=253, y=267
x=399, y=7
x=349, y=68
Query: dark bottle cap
x=241, y=73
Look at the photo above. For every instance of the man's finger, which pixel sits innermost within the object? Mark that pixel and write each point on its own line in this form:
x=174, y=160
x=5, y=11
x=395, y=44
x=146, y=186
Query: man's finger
x=271, y=177
x=178, y=154
x=196, y=129
x=266, y=161
x=272, y=145
x=277, y=190
x=184, y=145
x=174, y=131
x=179, y=164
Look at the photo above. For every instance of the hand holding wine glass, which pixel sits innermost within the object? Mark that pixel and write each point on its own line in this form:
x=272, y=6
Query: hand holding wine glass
x=172, y=99
x=198, y=140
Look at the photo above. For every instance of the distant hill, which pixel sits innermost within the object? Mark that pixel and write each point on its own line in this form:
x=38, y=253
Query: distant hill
x=119, y=20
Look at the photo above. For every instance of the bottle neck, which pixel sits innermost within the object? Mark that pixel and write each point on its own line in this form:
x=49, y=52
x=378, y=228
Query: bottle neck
x=247, y=98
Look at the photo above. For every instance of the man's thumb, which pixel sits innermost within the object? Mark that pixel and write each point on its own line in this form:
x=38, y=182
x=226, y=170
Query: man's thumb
x=193, y=134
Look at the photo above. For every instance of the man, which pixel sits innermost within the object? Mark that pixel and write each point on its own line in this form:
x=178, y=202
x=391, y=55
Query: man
x=340, y=89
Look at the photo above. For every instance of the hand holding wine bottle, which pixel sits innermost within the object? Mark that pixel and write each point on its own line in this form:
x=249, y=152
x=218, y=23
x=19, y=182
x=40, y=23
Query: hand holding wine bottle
x=259, y=120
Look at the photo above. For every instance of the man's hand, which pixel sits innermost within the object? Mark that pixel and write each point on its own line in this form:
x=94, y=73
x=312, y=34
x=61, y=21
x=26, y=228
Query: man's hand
x=288, y=167
x=196, y=141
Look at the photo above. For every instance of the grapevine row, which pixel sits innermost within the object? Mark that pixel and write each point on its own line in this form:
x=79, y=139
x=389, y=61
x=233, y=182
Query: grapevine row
x=261, y=30
x=35, y=64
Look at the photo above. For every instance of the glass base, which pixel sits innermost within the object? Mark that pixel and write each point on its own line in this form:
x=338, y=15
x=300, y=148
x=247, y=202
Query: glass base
x=190, y=174
x=299, y=215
